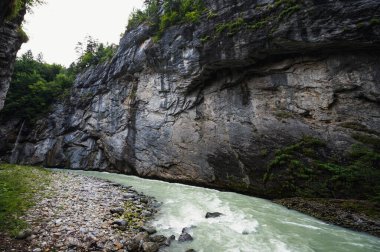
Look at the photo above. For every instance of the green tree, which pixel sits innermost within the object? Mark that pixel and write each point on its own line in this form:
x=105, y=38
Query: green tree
x=92, y=53
x=35, y=86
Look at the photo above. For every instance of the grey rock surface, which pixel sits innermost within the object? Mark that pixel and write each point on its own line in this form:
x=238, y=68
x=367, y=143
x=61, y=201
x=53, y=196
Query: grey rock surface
x=10, y=43
x=211, y=108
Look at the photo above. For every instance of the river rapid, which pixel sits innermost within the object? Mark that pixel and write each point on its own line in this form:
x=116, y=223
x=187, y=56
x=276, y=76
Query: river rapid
x=248, y=224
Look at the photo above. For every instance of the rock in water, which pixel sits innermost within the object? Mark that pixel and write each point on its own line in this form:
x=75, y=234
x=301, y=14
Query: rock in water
x=169, y=240
x=185, y=236
x=213, y=215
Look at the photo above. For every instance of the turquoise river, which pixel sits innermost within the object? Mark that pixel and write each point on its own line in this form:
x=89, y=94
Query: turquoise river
x=249, y=224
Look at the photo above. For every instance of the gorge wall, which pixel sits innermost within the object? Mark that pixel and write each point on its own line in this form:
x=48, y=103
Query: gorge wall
x=10, y=42
x=214, y=105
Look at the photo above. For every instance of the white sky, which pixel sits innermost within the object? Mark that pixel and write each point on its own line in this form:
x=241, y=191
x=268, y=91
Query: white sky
x=57, y=26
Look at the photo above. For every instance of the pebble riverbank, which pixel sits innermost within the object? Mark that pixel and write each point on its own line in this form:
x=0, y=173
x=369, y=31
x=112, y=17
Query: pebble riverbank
x=79, y=213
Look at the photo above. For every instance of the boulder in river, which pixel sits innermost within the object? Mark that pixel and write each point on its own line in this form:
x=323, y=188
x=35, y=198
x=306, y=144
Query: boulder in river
x=213, y=215
x=185, y=236
x=169, y=240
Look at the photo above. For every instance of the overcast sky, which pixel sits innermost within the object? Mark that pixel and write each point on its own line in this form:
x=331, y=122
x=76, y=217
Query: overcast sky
x=57, y=26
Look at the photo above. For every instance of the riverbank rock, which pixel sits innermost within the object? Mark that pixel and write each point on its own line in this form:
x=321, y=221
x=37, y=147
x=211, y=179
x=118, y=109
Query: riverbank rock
x=78, y=214
x=150, y=247
x=118, y=210
x=149, y=230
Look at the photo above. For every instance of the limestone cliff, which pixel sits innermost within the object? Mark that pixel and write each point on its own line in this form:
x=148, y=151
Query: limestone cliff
x=10, y=43
x=210, y=103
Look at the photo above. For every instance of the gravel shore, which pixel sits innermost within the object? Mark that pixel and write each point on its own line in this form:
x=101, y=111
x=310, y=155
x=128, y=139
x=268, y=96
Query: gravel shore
x=78, y=213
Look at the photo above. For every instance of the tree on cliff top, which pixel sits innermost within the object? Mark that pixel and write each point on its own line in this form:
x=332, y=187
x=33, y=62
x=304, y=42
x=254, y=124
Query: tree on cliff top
x=91, y=53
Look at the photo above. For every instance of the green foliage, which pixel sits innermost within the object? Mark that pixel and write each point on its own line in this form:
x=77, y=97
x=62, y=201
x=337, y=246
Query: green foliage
x=306, y=169
x=368, y=139
x=150, y=15
x=19, y=186
x=374, y=21
x=35, y=86
x=205, y=39
x=92, y=53
x=173, y=12
x=231, y=27
x=21, y=33
x=258, y=25
x=17, y=5
x=284, y=114
x=289, y=11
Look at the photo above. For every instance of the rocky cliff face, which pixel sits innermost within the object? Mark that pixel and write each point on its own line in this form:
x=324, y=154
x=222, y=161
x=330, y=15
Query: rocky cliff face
x=210, y=103
x=10, y=43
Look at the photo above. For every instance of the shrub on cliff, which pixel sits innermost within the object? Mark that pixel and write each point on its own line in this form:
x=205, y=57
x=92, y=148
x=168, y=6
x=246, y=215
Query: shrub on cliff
x=15, y=6
x=92, y=53
x=170, y=12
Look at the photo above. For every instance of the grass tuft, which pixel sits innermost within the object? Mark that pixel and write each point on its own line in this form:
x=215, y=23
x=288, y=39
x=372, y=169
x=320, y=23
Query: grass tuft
x=19, y=186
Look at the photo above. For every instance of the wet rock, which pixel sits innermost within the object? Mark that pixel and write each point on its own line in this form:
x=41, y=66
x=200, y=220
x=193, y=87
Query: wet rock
x=150, y=247
x=146, y=213
x=120, y=222
x=213, y=215
x=149, y=230
x=118, y=210
x=144, y=200
x=129, y=196
x=157, y=238
x=185, y=236
x=137, y=241
x=169, y=240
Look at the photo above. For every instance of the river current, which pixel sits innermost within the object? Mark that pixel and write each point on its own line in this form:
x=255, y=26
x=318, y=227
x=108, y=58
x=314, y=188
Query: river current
x=248, y=224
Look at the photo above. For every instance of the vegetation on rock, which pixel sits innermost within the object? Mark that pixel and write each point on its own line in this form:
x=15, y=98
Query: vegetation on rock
x=92, y=53
x=171, y=12
x=19, y=186
x=17, y=5
x=308, y=168
x=35, y=86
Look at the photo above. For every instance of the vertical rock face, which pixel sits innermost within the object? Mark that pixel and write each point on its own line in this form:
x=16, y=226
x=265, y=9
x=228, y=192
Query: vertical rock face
x=212, y=107
x=10, y=43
